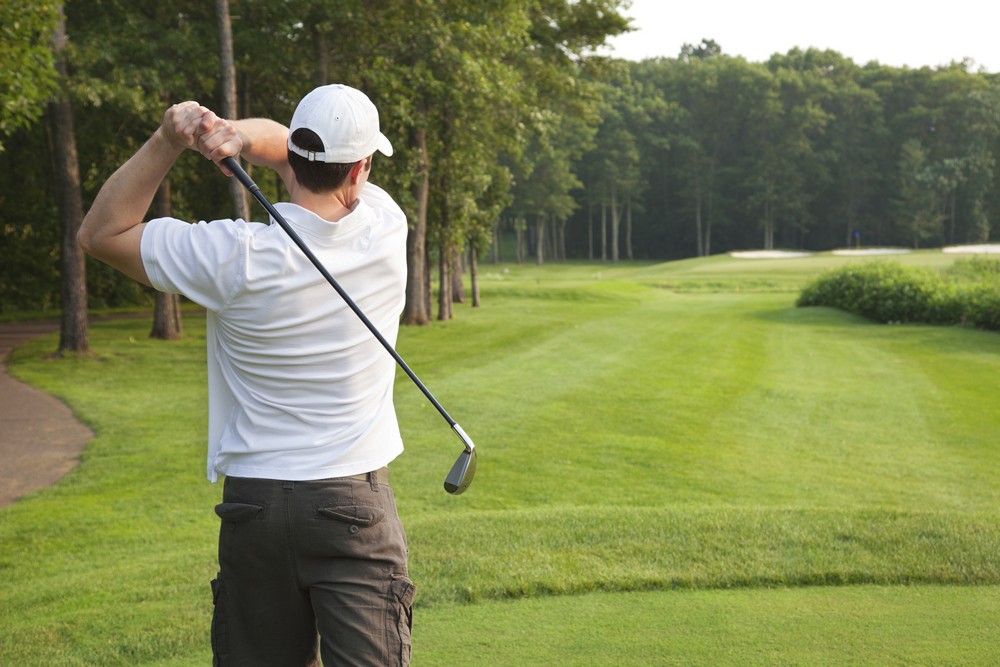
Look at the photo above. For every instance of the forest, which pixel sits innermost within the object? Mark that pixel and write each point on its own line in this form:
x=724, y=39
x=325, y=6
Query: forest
x=518, y=137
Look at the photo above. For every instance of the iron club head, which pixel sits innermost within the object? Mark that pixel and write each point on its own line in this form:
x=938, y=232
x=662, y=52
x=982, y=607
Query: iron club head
x=460, y=476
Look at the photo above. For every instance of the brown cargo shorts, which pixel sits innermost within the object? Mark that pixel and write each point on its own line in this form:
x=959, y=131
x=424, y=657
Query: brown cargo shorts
x=311, y=567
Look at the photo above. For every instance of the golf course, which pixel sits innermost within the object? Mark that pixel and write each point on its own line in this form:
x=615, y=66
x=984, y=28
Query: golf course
x=676, y=466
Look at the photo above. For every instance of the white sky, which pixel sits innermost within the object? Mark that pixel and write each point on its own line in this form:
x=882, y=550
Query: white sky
x=910, y=33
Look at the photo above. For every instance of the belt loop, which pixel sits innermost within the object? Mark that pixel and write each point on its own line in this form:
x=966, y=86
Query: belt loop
x=373, y=480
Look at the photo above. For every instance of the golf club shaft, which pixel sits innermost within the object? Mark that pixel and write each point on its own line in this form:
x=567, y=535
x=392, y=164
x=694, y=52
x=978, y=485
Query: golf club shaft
x=234, y=166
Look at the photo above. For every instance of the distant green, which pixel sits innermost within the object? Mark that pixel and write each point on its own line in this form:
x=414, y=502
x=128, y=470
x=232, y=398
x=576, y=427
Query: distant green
x=677, y=466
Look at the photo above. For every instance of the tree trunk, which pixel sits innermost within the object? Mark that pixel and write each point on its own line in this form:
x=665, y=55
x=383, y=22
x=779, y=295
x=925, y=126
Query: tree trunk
x=227, y=66
x=167, y=307
x=444, y=283
x=952, y=197
x=428, y=295
x=496, y=252
x=697, y=222
x=604, y=229
x=166, y=317
x=74, y=334
x=615, y=223
x=590, y=230
x=322, y=58
x=416, y=310
x=540, y=233
x=768, y=226
x=519, y=233
x=851, y=215
x=457, y=272
x=474, y=274
x=628, y=226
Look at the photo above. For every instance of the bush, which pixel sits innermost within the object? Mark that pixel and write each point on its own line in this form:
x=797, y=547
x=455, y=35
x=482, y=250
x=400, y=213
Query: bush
x=981, y=305
x=981, y=269
x=969, y=292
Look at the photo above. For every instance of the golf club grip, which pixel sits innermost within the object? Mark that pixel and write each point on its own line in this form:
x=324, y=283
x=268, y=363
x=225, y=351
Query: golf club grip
x=234, y=166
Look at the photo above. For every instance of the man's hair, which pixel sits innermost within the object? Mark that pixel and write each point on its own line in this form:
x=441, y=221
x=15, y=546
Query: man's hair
x=317, y=177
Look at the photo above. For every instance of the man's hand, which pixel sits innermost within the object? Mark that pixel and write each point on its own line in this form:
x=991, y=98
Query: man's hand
x=182, y=124
x=189, y=125
x=218, y=139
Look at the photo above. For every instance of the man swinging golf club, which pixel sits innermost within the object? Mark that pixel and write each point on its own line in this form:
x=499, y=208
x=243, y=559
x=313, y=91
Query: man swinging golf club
x=301, y=417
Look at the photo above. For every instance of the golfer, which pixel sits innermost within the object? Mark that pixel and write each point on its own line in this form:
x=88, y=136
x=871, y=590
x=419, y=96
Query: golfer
x=312, y=555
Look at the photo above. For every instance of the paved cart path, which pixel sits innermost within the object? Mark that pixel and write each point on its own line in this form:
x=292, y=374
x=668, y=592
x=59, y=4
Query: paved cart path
x=40, y=439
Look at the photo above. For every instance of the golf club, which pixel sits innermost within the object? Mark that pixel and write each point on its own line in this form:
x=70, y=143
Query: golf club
x=460, y=476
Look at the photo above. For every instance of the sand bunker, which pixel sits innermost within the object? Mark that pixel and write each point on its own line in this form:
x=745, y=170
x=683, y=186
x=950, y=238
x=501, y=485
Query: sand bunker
x=973, y=249
x=993, y=248
x=860, y=252
x=768, y=254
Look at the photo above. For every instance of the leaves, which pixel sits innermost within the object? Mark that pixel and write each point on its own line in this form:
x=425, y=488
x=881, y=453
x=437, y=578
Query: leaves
x=27, y=77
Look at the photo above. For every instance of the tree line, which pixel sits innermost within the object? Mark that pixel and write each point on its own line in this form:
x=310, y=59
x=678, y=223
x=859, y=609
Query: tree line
x=707, y=153
x=515, y=138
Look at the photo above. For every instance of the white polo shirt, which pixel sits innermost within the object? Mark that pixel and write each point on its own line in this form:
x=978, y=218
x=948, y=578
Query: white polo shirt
x=299, y=388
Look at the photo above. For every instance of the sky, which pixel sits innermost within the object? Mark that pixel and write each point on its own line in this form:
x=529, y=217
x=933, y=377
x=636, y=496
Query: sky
x=897, y=33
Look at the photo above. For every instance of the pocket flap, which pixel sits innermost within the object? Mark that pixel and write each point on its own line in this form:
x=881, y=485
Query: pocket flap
x=237, y=512
x=359, y=515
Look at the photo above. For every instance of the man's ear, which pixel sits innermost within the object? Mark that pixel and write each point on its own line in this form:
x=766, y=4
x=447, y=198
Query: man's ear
x=359, y=168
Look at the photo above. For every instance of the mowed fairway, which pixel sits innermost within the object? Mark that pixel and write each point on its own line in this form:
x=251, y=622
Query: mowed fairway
x=676, y=466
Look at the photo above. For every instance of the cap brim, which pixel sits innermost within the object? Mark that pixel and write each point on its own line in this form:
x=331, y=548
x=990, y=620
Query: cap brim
x=384, y=147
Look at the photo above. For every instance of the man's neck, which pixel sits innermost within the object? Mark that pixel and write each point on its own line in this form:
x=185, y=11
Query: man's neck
x=330, y=206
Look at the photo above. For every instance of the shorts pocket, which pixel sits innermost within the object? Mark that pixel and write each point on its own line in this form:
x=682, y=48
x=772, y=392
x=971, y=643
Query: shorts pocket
x=402, y=591
x=362, y=516
x=219, y=634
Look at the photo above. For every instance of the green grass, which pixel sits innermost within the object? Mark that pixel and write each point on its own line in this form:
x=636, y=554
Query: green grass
x=815, y=627
x=677, y=466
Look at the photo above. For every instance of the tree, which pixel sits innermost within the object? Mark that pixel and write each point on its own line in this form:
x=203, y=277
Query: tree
x=783, y=164
x=916, y=204
x=28, y=78
x=718, y=97
x=708, y=48
x=74, y=335
x=227, y=78
x=167, y=309
x=560, y=83
x=981, y=118
x=657, y=226
x=469, y=76
x=544, y=194
x=613, y=161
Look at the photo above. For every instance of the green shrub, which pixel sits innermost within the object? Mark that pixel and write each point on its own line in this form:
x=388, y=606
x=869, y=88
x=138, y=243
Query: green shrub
x=981, y=305
x=975, y=268
x=967, y=293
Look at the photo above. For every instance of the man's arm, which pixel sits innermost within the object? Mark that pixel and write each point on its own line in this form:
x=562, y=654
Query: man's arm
x=112, y=229
x=113, y=226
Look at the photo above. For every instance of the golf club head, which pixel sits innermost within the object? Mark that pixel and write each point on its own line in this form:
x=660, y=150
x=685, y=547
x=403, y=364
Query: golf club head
x=460, y=476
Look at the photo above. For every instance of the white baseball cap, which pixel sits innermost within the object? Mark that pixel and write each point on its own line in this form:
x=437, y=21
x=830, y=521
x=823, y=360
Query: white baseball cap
x=344, y=119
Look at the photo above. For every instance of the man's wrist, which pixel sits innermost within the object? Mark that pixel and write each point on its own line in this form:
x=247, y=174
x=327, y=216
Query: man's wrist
x=161, y=142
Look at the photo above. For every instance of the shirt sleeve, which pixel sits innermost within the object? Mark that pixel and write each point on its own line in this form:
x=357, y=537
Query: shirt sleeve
x=385, y=205
x=205, y=261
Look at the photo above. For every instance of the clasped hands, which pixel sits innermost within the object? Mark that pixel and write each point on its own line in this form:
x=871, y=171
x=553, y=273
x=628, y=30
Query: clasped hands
x=189, y=125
